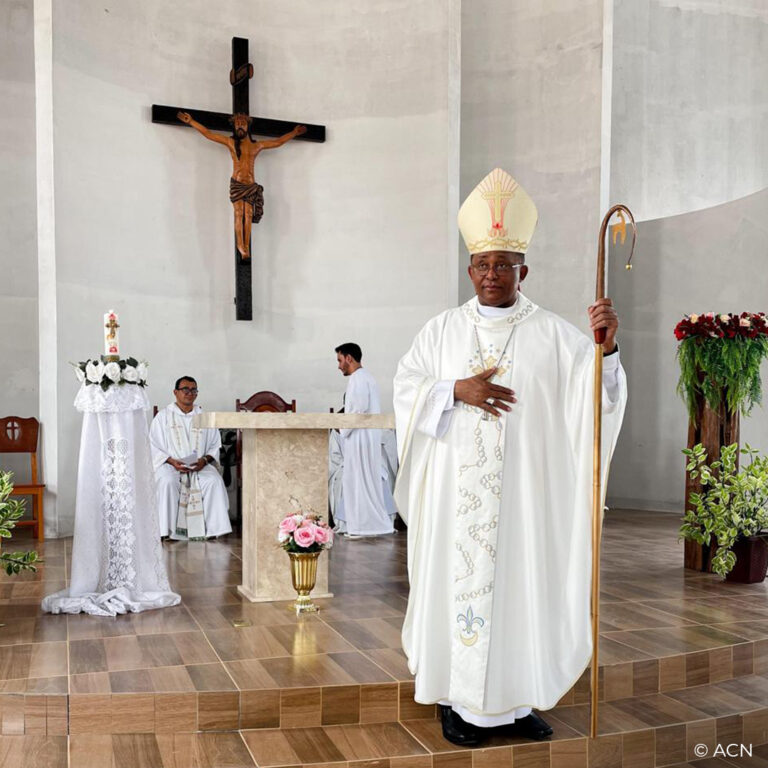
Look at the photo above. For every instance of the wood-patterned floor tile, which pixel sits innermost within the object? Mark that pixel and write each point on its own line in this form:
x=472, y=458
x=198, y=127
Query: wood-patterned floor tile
x=281, y=640
x=393, y=661
x=376, y=740
x=33, y=660
x=38, y=629
x=33, y=751
x=715, y=610
x=291, y=747
x=174, y=619
x=371, y=633
x=250, y=674
x=668, y=641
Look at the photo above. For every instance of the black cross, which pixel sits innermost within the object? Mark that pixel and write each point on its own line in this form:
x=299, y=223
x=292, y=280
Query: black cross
x=241, y=73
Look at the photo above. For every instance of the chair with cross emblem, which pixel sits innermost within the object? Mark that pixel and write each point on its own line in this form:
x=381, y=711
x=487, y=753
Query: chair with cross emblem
x=19, y=435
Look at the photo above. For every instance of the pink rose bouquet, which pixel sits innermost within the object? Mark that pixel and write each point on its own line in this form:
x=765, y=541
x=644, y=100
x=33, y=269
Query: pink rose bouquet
x=304, y=532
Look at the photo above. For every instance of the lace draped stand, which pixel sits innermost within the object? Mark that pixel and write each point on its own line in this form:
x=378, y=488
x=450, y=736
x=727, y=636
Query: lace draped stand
x=117, y=558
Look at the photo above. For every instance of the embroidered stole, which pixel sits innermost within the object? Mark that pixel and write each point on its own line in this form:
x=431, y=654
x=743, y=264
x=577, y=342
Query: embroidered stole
x=479, y=483
x=190, y=520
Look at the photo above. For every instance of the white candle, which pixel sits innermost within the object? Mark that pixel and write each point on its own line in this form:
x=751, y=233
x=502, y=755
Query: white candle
x=111, y=345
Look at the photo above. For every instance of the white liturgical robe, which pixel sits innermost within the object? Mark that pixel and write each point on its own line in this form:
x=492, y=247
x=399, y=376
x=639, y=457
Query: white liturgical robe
x=366, y=507
x=172, y=435
x=499, y=509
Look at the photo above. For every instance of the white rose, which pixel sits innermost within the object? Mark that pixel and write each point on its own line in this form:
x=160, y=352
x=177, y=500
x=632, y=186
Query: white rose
x=283, y=537
x=141, y=370
x=130, y=374
x=694, y=318
x=94, y=371
x=725, y=318
x=80, y=374
x=298, y=517
x=745, y=322
x=112, y=371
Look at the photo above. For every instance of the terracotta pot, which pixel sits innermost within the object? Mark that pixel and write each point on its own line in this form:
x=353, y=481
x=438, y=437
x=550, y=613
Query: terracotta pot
x=751, y=561
x=303, y=577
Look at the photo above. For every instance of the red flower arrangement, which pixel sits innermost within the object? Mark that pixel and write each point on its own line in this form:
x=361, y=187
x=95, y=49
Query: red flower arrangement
x=720, y=358
x=747, y=325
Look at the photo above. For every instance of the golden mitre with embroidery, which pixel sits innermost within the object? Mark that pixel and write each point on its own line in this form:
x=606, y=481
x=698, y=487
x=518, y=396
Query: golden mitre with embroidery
x=498, y=215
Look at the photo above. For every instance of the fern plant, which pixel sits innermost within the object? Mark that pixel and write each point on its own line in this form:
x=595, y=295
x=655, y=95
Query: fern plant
x=720, y=358
x=11, y=510
x=733, y=503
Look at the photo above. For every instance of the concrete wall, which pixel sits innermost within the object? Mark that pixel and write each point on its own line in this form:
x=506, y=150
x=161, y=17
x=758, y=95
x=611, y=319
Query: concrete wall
x=690, y=104
x=530, y=102
x=353, y=245
x=711, y=260
x=18, y=258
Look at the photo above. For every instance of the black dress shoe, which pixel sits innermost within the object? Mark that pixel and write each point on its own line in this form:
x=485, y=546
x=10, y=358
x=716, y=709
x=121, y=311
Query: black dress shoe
x=532, y=727
x=459, y=731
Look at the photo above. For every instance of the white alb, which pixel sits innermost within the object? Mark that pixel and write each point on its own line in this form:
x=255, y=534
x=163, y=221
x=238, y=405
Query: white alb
x=364, y=506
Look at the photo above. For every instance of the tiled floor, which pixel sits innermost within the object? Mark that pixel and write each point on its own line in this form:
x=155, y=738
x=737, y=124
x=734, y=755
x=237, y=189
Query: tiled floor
x=650, y=608
x=334, y=688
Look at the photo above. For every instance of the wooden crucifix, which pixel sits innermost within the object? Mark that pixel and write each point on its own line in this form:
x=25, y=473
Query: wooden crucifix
x=245, y=194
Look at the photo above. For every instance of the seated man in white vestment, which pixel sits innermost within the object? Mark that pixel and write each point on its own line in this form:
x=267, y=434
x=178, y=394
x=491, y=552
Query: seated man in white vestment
x=494, y=415
x=361, y=491
x=191, y=496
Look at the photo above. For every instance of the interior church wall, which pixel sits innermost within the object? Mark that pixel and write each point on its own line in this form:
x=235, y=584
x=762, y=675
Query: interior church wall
x=18, y=255
x=531, y=85
x=689, y=156
x=711, y=260
x=354, y=244
x=690, y=104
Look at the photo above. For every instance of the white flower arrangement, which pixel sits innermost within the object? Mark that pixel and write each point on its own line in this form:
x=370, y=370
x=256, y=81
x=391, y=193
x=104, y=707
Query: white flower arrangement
x=127, y=371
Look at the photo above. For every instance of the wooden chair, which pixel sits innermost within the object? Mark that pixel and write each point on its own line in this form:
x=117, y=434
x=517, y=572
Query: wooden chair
x=259, y=402
x=19, y=435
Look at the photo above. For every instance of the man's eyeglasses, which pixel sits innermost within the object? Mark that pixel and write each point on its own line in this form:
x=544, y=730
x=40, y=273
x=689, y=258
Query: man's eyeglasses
x=189, y=390
x=499, y=269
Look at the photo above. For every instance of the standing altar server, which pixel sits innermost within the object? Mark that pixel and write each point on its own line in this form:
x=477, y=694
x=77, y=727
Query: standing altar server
x=365, y=506
x=191, y=496
x=493, y=405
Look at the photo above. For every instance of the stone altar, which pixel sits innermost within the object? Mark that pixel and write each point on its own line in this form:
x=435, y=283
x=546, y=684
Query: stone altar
x=285, y=455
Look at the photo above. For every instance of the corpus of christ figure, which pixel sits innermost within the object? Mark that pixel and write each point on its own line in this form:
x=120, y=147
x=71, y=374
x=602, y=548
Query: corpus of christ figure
x=246, y=195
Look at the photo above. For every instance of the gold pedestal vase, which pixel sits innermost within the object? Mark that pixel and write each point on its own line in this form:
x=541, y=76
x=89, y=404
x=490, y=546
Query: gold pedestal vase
x=303, y=577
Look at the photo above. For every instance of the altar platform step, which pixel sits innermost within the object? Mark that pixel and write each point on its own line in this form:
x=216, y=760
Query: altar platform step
x=645, y=730
x=188, y=676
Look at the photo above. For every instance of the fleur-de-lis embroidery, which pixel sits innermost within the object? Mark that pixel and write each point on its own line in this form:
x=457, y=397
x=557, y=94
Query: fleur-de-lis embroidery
x=469, y=634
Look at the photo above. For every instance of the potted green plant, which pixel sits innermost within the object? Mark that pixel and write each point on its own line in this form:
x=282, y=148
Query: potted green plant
x=730, y=511
x=10, y=511
x=720, y=356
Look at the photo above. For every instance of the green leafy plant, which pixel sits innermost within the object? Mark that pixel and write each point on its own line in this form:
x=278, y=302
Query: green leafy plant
x=11, y=510
x=720, y=357
x=733, y=503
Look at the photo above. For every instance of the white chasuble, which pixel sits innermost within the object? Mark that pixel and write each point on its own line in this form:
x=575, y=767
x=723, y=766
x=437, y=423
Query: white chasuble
x=499, y=509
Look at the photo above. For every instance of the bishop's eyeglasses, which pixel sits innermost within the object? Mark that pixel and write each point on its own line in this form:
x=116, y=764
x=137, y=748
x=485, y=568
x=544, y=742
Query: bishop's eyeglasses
x=500, y=269
x=189, y=390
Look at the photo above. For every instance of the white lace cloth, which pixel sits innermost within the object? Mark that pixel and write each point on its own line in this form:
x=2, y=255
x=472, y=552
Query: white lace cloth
x=117, y=561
